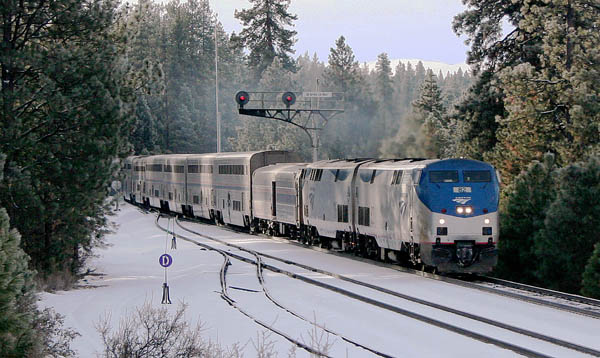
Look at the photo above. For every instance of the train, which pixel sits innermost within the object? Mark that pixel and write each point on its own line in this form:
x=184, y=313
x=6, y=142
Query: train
x=433, y=213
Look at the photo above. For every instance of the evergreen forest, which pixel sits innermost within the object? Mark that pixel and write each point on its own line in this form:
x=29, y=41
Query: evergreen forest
x=85, y=83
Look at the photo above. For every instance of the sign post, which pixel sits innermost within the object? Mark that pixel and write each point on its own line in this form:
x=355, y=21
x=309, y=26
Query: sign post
x=165, y=260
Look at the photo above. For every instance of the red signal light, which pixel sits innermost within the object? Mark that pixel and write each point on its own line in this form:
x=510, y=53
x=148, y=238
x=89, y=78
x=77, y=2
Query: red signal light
x=288, y=98
x=242, y=97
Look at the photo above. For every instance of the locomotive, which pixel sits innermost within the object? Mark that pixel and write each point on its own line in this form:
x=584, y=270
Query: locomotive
x=439, y=213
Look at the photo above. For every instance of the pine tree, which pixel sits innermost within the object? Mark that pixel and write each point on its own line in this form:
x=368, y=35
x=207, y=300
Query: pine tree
x=565, y=243
x=66, y=108
x=383, y=72
x=141, y=53
x=490, y=51
x=523, y=211
x=554, y=106
x=399, y=82
x=17, y=301
x=477, y=113
x=430, y=98
x=341, y=73
x=384, y=93
x=309, y=72
x=537, y=80
x=265, y=33
x=591, y=275
x=433, y=132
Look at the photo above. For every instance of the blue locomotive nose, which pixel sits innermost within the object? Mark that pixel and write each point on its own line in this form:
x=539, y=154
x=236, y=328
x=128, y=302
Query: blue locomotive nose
x=459, y=187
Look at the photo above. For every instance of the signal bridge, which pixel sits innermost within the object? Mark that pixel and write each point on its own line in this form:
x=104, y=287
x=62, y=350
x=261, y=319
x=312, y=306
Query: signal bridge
x=309, y=111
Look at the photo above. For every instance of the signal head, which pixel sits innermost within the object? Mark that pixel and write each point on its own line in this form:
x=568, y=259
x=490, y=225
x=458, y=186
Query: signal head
x=288, y=98
x=242, y=97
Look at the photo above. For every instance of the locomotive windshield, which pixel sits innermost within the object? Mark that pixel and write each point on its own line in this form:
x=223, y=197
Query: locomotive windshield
x=443, y=176
x=477, y=176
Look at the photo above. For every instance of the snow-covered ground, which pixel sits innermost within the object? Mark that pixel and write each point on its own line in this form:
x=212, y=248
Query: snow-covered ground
x=132, y=276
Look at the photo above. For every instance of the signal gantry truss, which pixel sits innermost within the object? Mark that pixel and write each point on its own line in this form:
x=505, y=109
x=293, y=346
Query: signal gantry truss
x=311, y=112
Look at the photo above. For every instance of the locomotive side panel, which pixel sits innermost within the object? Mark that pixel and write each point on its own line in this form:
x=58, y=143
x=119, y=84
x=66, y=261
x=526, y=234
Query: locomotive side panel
x=327, y=197
x=373, y=205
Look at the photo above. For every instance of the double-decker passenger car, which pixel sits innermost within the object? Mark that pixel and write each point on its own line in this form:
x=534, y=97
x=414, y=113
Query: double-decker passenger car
x=210, y=186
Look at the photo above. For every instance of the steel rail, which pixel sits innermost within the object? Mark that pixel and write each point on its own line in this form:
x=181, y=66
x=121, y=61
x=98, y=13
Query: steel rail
x=259, y=266
x=476, y=286
x=407, y=313
x=541, y=290
x=225, y=296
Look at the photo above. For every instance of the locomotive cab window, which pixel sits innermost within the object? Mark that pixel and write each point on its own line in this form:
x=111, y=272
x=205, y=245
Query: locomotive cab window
x=443, y=176
x=477, y=176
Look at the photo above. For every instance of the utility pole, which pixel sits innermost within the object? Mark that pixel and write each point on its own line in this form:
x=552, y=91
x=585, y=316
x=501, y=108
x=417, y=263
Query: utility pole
x=315, y=134
x=217, y=93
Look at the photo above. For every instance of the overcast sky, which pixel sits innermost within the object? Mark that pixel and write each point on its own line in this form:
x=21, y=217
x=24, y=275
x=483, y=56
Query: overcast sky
x=403, y=28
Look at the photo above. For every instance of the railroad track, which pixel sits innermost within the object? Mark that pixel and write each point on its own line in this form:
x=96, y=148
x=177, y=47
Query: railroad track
x=225, y=295
x=444, y=325
x=257, y=261
x=545, y=297
x=544, y=291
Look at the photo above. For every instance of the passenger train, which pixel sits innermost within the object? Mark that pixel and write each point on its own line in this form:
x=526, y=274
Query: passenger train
x=437, y=213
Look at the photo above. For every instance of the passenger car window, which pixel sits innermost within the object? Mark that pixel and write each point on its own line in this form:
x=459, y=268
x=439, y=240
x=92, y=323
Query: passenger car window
x=443, y=176
x=477, y=176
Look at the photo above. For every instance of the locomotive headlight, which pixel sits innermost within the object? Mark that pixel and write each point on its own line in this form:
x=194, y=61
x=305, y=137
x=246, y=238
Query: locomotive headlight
x=442, y=221
x=460, y=210
x=486, y=221
x=468, y=210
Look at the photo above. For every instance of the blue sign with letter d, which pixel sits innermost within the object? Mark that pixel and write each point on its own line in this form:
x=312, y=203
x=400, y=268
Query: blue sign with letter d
x=165, y=260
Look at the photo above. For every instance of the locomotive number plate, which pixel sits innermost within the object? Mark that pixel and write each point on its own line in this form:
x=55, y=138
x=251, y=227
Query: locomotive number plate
x=462, y=189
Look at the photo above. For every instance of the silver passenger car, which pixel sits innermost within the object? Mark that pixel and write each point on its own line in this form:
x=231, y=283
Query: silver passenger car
x=276, y=198
x=213, y=186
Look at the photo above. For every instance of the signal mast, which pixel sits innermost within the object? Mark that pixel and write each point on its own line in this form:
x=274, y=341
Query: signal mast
x=306, y=115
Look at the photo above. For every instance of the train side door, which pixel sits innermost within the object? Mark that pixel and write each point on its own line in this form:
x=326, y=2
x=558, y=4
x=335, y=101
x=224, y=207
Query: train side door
x=228, y=207
x=299, y=205
x=274, y=199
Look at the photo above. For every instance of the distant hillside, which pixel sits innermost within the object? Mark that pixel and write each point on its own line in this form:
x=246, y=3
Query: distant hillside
x=433, y=65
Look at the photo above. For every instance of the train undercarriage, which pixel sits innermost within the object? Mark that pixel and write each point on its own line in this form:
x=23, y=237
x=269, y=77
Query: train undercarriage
x=460, y=257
